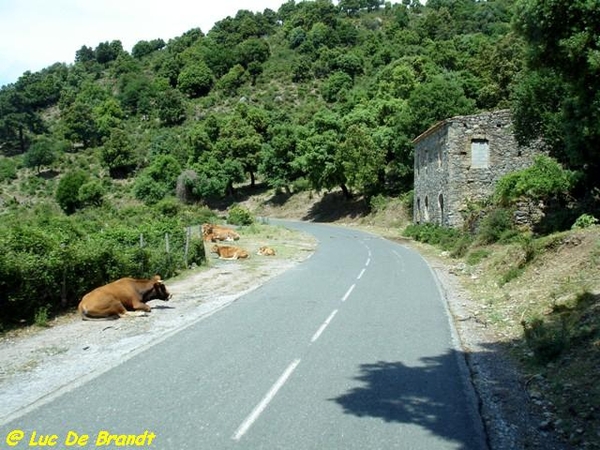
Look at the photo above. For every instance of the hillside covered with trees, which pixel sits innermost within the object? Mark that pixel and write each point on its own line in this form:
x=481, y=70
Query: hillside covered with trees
x=317, y=95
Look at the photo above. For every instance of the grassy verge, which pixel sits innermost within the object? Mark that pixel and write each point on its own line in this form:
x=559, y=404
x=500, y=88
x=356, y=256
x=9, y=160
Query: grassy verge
x=542, y=299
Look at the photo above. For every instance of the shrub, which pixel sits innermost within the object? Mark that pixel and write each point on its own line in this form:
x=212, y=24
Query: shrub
x=408, y=200
x=461, y=246
x=8, y=169
x=512, y=273
x=67, y=192
x=185, y=186
x=43, y=152
x=168, y=207
x=117, y=154
x=585, y=221
x=378, y=203
x=41, y=316
x=476, y=256
x=196, y=79
x=495, y=226
x=446, y=238
x=91, y=193
x=239, y=215
x=544, y=179
x=50, y=260
x=196, y=252
x=148, y=190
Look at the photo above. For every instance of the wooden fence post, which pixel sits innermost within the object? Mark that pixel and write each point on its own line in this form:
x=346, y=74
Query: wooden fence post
x=188, y=232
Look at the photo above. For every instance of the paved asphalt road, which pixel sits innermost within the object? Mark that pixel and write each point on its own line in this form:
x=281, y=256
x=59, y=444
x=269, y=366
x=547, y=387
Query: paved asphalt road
x=352, y=349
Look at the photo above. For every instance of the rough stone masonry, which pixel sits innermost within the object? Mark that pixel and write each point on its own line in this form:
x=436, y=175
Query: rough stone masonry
x=459, y=160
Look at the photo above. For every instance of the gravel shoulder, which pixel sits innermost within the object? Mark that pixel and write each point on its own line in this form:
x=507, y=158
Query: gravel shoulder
x=38, y=364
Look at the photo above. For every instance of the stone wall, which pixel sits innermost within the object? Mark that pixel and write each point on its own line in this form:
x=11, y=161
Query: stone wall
x=459, y=160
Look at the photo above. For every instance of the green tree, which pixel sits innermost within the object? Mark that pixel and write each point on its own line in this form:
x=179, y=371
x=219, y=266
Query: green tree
x=279, y=159
x=43, y=152
x=350, y=63
x=117, y=154
x=320, y=160
x=79, y=124
x=252, y=50
x=18, y=120
x=171, y=107
x=565, y=43
x=233, y=80
x=136, y=93
x=195, y=79
x=8, y=169
x=239, y=141
x=168, y=141
x=91, y=193
x=143, y=48
x=217, y=175
x=543, y=180
x=85, y=55
x=106, y=52
x=157, y=180
x=334, y=88
x=108, y=115
x=362, y=161
x=301, y=70
x=67, y=191
x=397, y=80
x=435, y=100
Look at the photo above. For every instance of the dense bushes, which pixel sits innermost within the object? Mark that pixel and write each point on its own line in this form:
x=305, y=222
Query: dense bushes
x=238, y=215
x=49, y=260
x=448, y=239
x=543, y=180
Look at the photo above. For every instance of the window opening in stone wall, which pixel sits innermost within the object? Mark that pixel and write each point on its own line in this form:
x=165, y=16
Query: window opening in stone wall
x=441, y=207
x=418, y=210
x=480, y=154
x=426, y=209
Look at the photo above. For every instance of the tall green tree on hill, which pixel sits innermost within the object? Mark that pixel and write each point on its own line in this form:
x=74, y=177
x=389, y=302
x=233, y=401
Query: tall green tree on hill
x=559, y=93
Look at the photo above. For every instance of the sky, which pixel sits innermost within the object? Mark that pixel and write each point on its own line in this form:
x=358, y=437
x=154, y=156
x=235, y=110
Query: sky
x=35, y=34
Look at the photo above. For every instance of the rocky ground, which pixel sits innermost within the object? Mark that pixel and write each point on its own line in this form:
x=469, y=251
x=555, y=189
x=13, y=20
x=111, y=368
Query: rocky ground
x=41, y=363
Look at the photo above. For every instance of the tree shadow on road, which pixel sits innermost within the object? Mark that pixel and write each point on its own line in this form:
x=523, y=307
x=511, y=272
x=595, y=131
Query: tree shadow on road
x=429, y=394
x=424, y=395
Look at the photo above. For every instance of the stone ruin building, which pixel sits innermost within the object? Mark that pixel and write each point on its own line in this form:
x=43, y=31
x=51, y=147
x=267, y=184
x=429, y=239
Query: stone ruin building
x=459, y=160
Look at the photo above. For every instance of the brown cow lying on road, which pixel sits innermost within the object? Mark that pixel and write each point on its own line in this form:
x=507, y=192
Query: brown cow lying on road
x=229, y=252
x=121, y=297
x=265, y=251
x=215, y=233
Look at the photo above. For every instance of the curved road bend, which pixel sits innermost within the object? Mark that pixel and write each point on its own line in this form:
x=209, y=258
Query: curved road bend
x=352, y=349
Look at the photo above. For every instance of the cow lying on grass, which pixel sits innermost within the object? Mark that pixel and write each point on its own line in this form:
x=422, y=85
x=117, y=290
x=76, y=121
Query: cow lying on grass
x=229, y=252
x=216, y=233
x=265, y=251
x=121, y=298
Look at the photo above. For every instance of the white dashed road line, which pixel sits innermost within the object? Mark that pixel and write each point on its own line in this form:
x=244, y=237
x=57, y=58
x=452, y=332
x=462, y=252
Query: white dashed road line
x=347, y=294
x=322, y=327
x=258, y=409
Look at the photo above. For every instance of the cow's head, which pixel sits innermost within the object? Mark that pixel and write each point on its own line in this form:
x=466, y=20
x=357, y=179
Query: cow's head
x=158, y=292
